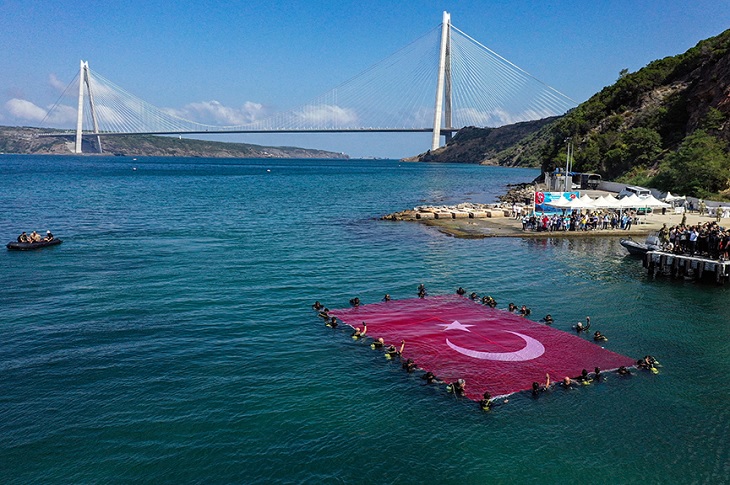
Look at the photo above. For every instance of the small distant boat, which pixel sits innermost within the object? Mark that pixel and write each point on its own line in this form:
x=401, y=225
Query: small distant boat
x=636, y=248
x=24, y=246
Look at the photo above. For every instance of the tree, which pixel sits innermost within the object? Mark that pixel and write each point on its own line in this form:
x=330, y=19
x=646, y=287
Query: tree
x=701, y=167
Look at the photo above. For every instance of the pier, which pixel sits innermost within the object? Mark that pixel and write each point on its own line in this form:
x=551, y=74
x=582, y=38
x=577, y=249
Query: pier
x=684, y=266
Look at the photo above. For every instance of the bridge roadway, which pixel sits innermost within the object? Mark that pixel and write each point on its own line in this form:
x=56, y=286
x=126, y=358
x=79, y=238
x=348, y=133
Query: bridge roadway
x=444, y=131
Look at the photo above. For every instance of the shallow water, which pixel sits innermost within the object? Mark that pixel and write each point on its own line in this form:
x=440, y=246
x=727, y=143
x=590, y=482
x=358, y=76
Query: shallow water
x=170, y=337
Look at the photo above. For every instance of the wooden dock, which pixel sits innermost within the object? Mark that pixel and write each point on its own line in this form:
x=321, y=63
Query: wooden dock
x=683, y=266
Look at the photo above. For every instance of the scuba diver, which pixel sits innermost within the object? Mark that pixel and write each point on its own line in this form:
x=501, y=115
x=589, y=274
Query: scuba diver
x=378, y=344
x=599, y=337
x=458, y=387
x=360, y=333
x=486, y=402
x=430, y=378
x=409, y=365
x=623, y=371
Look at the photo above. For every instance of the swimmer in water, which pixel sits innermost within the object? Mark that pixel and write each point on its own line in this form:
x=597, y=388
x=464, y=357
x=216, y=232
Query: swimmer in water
x=597, y=376
x=355, y=302
x=378, y=344
x=332, y=323
x=324, y=313
x=579, y=327
x=429, y=377
x=599, y=337
x=548, y=320
x=360, y=333
x=473, y=296
x=386, y=297
x=567, y=383
x=461, y=291
x=511, y=307
x=317, y=306
x=409, y=365
x=391, y=351
x=524, y=311
x=583, y=378
x=623, y=371
x=458, y=387
x=486, y=402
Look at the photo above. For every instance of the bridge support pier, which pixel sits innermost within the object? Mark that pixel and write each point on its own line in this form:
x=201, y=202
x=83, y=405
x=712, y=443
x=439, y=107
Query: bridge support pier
x=84, y=80
x=443, y=85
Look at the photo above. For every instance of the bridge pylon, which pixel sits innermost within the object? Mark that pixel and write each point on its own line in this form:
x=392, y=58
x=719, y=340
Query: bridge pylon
x=443, y=85
x=84, y=80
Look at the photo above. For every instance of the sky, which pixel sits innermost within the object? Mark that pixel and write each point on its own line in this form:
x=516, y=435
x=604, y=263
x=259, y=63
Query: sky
x=225, y=59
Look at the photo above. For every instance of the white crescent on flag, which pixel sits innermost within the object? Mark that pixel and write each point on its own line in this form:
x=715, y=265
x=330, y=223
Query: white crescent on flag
x=532, y=350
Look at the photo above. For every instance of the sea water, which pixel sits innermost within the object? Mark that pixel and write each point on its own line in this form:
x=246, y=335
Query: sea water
x=170, y=338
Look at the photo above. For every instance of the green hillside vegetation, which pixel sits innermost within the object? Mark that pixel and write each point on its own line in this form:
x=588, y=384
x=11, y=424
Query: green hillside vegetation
x=25, y=140
x=665, y=126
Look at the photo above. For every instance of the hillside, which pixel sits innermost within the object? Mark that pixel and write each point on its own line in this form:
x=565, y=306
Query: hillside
x=24, y=140
x=666, y=125
x=481, y=145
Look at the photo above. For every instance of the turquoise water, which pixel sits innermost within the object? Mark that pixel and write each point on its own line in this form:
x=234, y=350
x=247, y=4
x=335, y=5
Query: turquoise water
x=170, y=337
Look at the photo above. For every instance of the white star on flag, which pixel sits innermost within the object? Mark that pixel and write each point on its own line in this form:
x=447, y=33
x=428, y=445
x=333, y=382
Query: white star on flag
x=455, y=325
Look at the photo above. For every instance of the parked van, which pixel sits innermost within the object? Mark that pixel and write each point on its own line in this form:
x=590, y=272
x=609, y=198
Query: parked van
x=631, y=189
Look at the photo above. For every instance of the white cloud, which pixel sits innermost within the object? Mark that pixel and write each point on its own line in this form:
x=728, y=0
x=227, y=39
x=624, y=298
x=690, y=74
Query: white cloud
x=215, y=113
x=24, y=111
x=329, y=116
x=57, y=84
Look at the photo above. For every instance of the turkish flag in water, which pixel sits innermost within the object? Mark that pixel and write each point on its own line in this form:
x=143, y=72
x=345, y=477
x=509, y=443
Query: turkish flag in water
x=493, y=350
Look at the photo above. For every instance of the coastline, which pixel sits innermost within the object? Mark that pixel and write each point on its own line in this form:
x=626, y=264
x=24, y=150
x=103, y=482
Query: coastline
x=468, y=228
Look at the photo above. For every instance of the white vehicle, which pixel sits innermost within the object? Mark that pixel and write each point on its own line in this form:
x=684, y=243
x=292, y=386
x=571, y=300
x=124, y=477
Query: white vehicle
x=631, y=189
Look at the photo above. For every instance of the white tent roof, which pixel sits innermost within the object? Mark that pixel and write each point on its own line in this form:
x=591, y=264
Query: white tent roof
x=669, y=197
x=560, y=202
x=608, y=201
x=631, y=201
x=652, y=201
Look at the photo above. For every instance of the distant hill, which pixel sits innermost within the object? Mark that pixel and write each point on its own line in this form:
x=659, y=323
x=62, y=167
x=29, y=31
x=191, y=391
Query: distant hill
x=25, y=140
x=666, y=126
x=481, y=145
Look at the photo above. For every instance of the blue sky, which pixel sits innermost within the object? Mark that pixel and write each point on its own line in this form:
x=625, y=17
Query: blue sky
x=235, y=55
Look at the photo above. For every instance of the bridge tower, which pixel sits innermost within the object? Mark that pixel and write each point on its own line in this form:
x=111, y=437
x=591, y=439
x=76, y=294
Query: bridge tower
x=84, y=80
x=443, y=85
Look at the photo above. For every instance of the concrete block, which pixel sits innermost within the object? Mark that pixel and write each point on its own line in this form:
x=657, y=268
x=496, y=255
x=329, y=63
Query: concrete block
x=477, y=214
x=444, y=215
x=460, y=214
x=425, y=215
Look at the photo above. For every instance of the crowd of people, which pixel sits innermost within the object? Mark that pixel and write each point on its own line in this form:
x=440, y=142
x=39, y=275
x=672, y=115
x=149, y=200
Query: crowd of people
x=578, y=221
x=708, y=239
x=34, y=237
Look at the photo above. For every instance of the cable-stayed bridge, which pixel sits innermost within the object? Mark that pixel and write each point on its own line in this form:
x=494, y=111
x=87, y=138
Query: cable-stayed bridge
x=441, y=82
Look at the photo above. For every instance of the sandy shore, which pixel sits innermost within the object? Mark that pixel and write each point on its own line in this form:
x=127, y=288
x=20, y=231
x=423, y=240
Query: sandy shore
x=507, y=227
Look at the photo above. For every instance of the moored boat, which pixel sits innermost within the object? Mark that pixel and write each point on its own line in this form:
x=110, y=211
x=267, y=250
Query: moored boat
x=636, y=248
x=24, y=246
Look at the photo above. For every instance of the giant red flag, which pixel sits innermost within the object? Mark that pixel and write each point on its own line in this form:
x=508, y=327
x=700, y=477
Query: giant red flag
x=493, y=350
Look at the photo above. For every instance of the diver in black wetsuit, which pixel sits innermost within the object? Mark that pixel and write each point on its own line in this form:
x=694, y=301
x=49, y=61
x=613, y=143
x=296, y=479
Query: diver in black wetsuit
x=486, y=402
x=429, y=377
x=458, y=387
x=461, y=291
